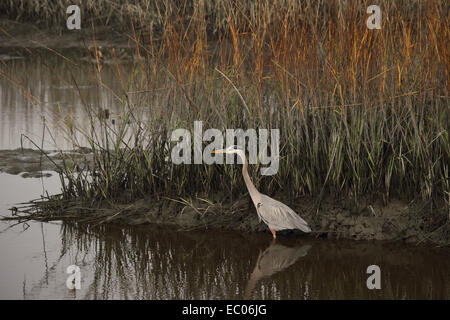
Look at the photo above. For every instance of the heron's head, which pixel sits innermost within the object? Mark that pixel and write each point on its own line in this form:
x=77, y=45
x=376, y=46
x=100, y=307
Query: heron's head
x=230, y=149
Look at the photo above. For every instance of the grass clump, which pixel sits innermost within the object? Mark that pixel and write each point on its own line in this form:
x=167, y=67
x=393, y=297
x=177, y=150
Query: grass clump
x=362, y=113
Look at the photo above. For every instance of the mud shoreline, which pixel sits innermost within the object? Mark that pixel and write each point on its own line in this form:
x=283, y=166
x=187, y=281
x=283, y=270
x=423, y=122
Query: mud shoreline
x=396, y=221
x=30, y=163
x=27, y=35
x=413, y=222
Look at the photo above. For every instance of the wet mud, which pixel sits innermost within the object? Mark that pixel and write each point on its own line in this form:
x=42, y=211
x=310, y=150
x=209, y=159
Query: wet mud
x=396, y=220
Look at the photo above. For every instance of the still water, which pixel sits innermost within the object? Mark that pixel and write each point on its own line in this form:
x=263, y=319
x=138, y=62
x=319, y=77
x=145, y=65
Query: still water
x=157, y=262
x=43, y=91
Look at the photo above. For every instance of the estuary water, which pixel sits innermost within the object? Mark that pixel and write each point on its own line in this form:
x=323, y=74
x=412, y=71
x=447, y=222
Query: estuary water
x=160, y=262
x=44, y=97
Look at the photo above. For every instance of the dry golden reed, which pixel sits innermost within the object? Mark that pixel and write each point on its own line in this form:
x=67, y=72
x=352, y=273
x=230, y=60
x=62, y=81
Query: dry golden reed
x=361, y=112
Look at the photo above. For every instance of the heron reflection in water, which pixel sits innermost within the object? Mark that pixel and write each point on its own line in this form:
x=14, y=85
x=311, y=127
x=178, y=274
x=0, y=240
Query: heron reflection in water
x=275, y=214
x=273, y=260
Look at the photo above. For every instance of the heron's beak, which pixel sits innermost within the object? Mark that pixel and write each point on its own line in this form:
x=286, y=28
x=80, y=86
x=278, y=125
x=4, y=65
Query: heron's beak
x=218, y=151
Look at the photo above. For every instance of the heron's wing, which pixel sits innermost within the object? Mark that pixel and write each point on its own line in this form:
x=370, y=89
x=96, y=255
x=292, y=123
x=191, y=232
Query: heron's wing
x=279, y=216
x=274, y=259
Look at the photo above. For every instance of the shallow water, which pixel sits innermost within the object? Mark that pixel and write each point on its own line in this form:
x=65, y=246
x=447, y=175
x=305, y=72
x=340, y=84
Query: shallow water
x=37, y=91
x=156, y=262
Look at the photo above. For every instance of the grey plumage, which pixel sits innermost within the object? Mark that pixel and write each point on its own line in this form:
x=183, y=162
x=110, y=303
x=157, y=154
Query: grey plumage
x=275, y=214
x=279, y=216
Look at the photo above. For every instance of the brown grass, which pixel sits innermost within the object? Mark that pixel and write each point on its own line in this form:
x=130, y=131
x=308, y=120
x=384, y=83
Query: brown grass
x=361, y=112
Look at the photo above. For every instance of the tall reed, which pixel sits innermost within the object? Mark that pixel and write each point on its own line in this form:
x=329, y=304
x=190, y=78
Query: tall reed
x=361, y=112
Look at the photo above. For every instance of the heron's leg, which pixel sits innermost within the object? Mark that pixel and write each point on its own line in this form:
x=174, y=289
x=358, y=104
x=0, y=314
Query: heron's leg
x=272, y=242
x=274, y=233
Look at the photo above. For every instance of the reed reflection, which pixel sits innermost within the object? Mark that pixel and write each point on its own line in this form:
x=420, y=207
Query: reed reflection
x=159, y=263
x=151, y=262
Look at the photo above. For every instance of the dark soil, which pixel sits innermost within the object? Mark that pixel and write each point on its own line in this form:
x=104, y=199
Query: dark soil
x=396, y=221
x=413, y=222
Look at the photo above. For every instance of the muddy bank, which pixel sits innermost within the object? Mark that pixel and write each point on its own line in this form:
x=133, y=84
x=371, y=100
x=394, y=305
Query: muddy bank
x=31, y=163
x=397, y=221
x=27, y=35
x=337, y=219
x=25, y=41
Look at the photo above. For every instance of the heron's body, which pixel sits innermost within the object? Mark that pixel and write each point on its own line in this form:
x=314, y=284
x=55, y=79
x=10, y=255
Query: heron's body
x=279, y=216
x=275, y=214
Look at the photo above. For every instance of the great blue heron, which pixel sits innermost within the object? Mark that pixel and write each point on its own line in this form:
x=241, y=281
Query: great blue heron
x=275, y=214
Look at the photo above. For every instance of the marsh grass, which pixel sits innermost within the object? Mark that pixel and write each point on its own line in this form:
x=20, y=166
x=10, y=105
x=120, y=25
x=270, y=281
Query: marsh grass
x=362, y=113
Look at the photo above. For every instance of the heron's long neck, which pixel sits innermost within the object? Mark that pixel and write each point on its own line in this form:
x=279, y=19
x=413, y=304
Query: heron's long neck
x=248, y=182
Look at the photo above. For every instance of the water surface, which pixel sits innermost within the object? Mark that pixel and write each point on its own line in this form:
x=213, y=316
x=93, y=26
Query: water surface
x=159, y=262
x=43, y=90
